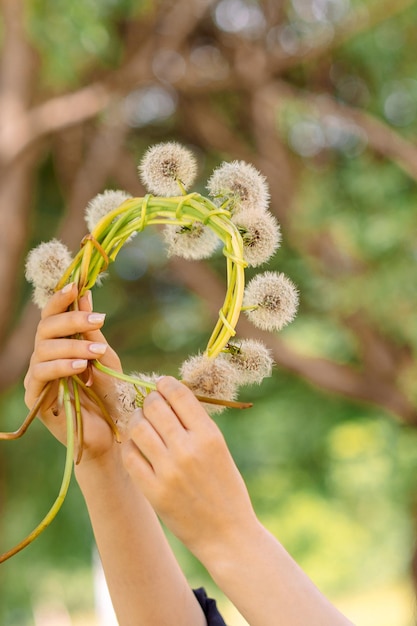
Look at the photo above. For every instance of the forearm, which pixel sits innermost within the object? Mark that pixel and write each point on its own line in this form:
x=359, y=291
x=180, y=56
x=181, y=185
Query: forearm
x=266, y=584
x=146, y=584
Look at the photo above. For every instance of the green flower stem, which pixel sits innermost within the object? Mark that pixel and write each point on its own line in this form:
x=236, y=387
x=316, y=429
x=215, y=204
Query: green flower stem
x=133, y=215
x=105, y=414
x=113, y=230
x=67, y=275
x=234, y=296
x=29, y=418
x=69, y=460
x=152, y=386
x=85, y=264
x=233, y=250
x=97, y=233
x=79, y=428
x=122, y=376
x=110, y=220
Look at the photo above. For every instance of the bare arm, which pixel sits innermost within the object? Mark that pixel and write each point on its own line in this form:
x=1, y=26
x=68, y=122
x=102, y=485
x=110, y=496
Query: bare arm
x=180, y=461
x=146, y=583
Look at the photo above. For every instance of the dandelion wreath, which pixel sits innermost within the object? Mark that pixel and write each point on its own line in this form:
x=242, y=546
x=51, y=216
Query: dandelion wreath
x=234, y=215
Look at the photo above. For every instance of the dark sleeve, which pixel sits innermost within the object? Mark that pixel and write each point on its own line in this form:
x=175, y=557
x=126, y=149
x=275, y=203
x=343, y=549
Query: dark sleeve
x=209, y=607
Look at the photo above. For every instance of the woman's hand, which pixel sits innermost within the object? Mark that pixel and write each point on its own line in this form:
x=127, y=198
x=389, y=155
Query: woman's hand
x=58, y=354
x=180, y=460
x=145, y=582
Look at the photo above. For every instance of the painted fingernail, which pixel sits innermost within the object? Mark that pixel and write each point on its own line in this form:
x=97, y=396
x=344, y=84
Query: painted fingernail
x=96, y=318
x=79, y=364
x=97, y=348
x=67, y=288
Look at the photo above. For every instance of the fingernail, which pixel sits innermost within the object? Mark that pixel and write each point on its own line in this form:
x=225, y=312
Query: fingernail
x=96, y=318
x=97, y=348
x=90, y=298
x=67, y=288
x=79, y=364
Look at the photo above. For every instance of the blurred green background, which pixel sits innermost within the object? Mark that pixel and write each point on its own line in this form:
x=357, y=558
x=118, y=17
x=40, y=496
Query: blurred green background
x=321, y=96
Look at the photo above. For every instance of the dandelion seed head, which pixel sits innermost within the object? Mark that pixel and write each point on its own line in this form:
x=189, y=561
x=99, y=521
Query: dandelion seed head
x=102, y=204
x=41, y=295
x=252, y=359
x=211, y=377
x=261, y=235
x=241, y=185
x=126, y=395
x=101, y=278
x=130, y=396
x=148, y=378
x=164, y=166
x=45, y=265
x=276, y=298
x=193, y=242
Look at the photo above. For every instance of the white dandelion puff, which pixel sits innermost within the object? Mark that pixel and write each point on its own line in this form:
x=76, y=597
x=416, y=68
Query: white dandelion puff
x=210, y=377
x=147, y=378
x=41, y=295
x=130, y=396
x=260, y=233
x=251, y=358
x=126, y=395
x=271, y=300
x=167, y=169
x=240, y=185
x=193, y=242
x=102, y=204
x=45, y=265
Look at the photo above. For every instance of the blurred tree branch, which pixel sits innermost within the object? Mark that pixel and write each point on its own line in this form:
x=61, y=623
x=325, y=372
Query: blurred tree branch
x=28, y=126
x=361, y=19
x=365, y=383
x=381, y=138
x=16, y=80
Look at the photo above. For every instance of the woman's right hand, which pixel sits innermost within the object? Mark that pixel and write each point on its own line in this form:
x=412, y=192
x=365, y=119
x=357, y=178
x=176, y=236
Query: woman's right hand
x=57, y=354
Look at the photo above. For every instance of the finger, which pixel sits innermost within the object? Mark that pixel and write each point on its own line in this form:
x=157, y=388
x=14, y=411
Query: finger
x=42, y=373
x=59, y=322
x=52, y=349
x=165, y=421
x=54, y=370
x=69, y=323
x=60, y=301
x=138, y=467
x=86, y=304
x=184, y=403
x=146, y=438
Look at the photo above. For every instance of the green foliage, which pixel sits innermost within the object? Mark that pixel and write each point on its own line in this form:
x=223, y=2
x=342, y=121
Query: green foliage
x=367, y=209
x=74, y=38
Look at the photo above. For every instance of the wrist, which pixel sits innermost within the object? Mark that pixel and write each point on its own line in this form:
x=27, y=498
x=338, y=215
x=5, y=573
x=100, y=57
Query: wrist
x=105, y=468
x=222, y=554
